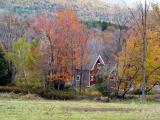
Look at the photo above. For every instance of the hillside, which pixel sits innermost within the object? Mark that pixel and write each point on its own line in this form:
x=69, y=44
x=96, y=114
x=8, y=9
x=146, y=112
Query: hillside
x=86, y=9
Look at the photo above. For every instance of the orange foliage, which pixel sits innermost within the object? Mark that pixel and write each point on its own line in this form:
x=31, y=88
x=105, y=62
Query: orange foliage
x=67, y=43
x=66, y=40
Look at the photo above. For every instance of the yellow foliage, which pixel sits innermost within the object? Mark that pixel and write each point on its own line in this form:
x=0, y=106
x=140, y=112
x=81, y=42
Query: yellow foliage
x=130, y=58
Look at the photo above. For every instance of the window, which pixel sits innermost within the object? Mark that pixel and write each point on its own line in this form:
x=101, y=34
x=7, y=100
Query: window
x=99, y=63
x=92, y=78
x=78, y=77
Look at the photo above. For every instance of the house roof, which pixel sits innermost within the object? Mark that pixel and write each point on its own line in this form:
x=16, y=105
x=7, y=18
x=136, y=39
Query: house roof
x=93, y=61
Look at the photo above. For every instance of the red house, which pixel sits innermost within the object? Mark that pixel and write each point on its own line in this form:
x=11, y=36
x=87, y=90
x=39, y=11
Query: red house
x=87, y=77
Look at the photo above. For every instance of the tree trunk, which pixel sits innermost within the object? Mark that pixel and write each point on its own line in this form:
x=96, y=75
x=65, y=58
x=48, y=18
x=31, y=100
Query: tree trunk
x=144, y=19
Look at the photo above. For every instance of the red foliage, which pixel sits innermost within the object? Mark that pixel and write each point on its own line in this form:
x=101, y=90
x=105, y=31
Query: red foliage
x=66, y=42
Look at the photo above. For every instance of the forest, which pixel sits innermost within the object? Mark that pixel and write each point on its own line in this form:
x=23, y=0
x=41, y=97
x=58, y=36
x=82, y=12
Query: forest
x=50, y=54
x=79, y=60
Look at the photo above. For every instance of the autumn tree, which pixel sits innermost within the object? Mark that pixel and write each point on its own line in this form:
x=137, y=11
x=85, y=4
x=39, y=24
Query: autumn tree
x=71, y=43
x=131, y=59
x=11, y=28
x=83, y=40
x=129, y=66
x=24, y=58
x=64, y=38
x=141, y=22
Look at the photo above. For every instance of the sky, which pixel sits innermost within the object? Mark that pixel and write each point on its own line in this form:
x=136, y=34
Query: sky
x=119, y=1
x=129, y=2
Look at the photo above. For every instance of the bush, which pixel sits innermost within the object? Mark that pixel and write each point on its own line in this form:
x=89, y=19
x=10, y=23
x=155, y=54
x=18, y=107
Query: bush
x=92, y=92
x=12, y=89
x=4, y=77
x=105, y=90
x=45, y=93
x=26, y=87
x=56, y=95
x=68, y=87
x=136, y=92
x=100, y=79
x=59, y=85
x=103, y=86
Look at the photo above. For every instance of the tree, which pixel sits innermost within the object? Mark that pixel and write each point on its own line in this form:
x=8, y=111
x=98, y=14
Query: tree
x=64, y=38
x=131, y=60
x=11, y=28
x=71, y=43
x=144, y=24
x=123, y=22
x=4, y=78
x=83, y=39
x=129, y=67
x=141, y=21
x=24, y=59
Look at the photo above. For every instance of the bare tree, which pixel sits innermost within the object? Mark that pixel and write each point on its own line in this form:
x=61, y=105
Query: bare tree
x=144, y=24
x=139, y=19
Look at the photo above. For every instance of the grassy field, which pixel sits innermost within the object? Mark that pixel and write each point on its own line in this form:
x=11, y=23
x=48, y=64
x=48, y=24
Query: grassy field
x=15, y=108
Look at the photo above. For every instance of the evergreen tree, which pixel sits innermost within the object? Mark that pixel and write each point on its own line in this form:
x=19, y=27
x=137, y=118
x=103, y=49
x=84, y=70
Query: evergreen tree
x=4, y=78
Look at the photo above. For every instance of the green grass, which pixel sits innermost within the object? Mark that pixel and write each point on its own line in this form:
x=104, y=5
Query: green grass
x=18, y=108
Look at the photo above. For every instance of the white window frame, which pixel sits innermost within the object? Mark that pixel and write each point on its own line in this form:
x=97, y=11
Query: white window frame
x=79, y=77
x=92, y=78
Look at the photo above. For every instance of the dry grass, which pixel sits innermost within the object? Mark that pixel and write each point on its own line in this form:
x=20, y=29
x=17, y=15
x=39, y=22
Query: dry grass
x=15, y=108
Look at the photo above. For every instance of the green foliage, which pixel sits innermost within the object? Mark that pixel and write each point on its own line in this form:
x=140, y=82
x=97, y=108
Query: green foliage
x=103, y=87
x=100, y=79
x=21, y=55
x=24, y=57
x=4, y=78
x=105, y=90
x=103, y=25
x=35, y=43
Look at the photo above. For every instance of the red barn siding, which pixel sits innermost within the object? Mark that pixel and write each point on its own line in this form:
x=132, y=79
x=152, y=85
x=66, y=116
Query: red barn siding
x=94, y=73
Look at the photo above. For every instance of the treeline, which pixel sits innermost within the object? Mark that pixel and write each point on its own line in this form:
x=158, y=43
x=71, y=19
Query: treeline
x=46, y=54
x=103, y=25
x=42, y=54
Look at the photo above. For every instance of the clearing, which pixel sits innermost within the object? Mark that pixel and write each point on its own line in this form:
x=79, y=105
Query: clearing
x=14, y=108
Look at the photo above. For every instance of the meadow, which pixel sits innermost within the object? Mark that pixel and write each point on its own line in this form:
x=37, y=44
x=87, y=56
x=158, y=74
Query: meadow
x=19, y=108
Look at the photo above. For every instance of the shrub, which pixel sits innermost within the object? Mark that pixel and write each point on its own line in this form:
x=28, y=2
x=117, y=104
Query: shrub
x=136, y=92
x=105, y=90
x=59, y=85
x=12, y=89
x=92, y=91
x=56, y=94
x=100, y=79
x=26, y=87
x=103, y=86
x=4, y=77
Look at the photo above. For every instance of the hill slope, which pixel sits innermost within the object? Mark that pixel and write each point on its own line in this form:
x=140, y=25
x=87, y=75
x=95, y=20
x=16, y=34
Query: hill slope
x=86, y=9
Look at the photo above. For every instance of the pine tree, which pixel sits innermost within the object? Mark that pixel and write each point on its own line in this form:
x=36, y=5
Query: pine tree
x=4, y=78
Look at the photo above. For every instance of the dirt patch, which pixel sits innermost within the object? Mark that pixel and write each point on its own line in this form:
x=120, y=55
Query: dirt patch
x=105, y=110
